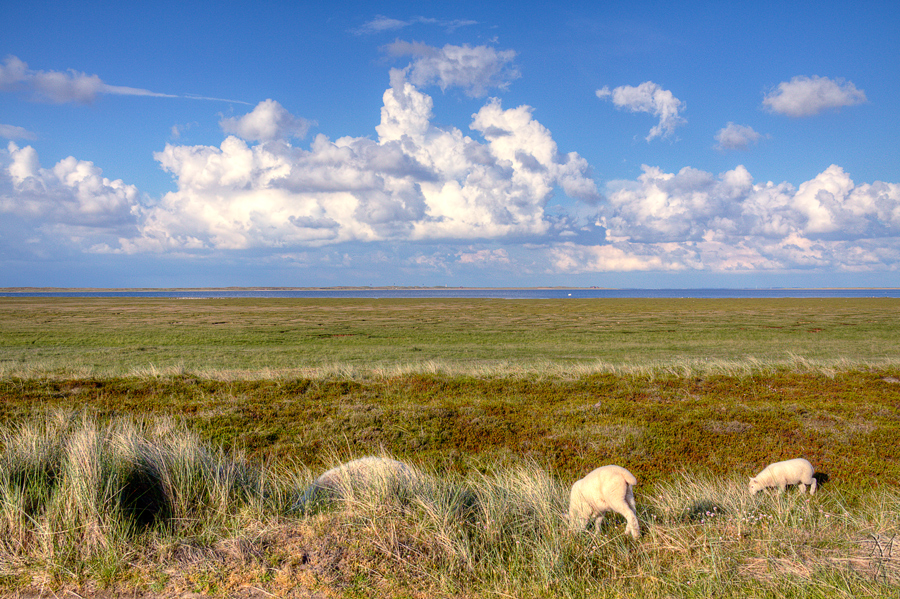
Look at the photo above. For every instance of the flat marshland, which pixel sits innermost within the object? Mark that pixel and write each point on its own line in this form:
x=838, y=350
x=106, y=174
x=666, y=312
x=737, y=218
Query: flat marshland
x=160, y=446
x=298, y=337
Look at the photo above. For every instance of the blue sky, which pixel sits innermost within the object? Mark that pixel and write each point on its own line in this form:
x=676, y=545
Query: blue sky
x=642, y=144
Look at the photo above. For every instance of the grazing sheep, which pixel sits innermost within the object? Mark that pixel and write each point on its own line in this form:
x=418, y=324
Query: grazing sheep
x=606, y=488
x=366, y=472
x=781, y=474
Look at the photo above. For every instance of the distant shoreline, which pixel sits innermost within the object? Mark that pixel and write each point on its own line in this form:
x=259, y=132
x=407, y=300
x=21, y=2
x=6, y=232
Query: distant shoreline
x=400, y=288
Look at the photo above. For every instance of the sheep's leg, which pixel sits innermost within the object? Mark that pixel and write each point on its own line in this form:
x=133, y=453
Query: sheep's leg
x=802, y=488
x=813, y=483
x=629, y=498
x=633, y=527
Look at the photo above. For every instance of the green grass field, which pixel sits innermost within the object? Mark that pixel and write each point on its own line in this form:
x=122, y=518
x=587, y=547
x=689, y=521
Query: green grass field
x=502, y=404
x=296, y=337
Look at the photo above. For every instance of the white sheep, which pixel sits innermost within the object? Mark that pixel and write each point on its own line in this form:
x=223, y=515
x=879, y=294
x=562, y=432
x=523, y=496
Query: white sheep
x=781, y=474
x=604, y=489
x=370, y=471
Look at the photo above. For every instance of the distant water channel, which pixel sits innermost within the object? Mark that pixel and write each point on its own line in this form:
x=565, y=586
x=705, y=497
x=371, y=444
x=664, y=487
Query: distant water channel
x=450, y=292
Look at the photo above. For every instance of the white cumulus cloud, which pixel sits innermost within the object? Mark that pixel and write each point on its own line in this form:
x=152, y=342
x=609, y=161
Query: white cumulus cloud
x=692, y=205
x=663, y=206
x=736, y=137
x=651, y=98
x=809, y=96
x=73, y=195
x=417, y=181
x=267, y=122
x=696, y=220
x=473, y=69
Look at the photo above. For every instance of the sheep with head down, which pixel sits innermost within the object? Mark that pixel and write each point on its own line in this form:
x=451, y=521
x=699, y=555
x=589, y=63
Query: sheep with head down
x=780, y=474
x=362, y=473
x=608, y=488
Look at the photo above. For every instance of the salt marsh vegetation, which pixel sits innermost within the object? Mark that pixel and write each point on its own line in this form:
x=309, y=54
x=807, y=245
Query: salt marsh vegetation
x=160, y=446
x=264, y=338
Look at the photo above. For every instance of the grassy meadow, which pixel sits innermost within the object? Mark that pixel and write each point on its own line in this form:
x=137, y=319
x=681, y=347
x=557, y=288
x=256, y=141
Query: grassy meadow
x=305, y=337
x=159, y=446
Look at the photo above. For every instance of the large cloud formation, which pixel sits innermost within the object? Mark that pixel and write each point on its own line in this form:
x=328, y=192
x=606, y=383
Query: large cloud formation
x=417, y=181
x=73, y=192
x=421, y=183
x=72, y=202
x=695, y=220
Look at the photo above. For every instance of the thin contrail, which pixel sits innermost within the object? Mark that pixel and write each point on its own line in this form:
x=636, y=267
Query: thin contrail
x=193, y=97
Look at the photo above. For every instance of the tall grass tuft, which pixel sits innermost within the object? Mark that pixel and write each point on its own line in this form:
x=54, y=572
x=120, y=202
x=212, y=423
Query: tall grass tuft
x=75, y=490
x=505, y=534
x=501, y=533
x=85, y=499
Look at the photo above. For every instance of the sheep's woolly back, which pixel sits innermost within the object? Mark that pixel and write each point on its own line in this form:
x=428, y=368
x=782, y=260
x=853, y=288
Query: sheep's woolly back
x=780, y=474
x=370, y=472
x=604, y=489
x=610, y=472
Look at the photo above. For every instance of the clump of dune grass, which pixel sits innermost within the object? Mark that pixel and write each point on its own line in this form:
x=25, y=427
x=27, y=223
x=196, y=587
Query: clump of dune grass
x=505, y=534
x=89, y=500
x=449, y=533
x=779, y=541
x=76, y=491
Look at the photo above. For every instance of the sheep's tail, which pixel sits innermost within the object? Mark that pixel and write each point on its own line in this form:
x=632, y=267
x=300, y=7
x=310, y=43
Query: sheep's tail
x=629, y=478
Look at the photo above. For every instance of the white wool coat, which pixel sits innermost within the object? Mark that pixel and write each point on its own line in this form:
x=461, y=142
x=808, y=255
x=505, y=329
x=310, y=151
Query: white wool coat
x=608, y=488
x=780, y=474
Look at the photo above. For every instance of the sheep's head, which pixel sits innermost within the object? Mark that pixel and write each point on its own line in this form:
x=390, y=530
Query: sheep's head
x=755, y=486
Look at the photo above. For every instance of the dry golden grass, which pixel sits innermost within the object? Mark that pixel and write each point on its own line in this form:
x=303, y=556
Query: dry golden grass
x=226, y=528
